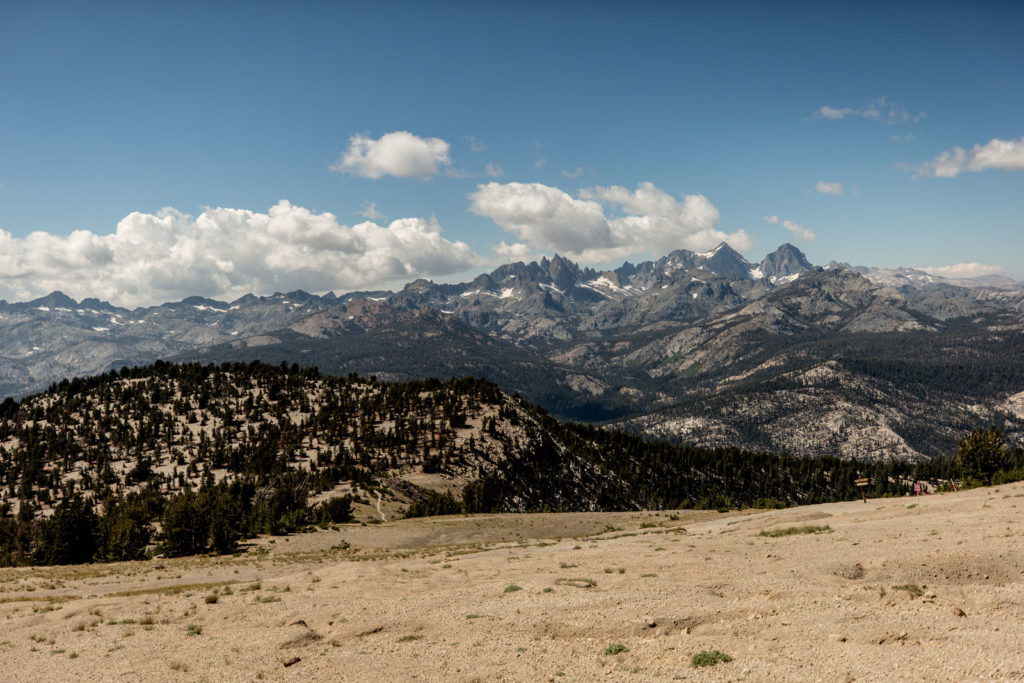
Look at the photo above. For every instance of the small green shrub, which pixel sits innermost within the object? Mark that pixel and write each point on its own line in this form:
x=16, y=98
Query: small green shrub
x=709, y=658
x=617, y=648
x=512, y=588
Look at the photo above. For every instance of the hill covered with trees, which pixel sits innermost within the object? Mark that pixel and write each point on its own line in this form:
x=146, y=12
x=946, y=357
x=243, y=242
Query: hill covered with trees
x=184, y=458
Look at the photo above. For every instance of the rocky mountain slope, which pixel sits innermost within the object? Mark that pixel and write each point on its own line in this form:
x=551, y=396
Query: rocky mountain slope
x=703, y=348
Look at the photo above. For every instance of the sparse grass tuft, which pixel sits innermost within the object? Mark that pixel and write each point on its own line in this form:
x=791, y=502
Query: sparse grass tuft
x=407, y=639
x=709, y=658
x=193, y=630
x=512, y=588
x=912, y=588
x=617, y=648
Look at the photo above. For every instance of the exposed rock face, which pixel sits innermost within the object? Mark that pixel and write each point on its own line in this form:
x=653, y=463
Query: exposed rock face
x=786, y=261
x=647, y=345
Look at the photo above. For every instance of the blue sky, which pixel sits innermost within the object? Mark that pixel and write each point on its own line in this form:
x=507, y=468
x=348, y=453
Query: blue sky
x=881, y=135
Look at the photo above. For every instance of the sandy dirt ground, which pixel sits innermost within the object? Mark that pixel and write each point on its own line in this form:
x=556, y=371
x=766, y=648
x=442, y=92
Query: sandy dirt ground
x=894, y=590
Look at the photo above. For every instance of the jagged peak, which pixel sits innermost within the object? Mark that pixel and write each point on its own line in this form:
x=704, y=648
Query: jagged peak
x=419, y=285
x=785, y=262
x=55, y=299
x=92, y=302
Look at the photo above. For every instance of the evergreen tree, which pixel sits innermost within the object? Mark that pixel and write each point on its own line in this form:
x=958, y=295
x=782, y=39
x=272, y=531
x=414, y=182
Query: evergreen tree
x=982, y=453
x=70, y=535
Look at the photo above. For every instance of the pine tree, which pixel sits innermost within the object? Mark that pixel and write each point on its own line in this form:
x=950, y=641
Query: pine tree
x=982, y=453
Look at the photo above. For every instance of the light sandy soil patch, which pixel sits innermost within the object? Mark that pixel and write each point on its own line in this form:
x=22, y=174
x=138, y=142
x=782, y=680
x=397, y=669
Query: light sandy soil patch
x=897, y=589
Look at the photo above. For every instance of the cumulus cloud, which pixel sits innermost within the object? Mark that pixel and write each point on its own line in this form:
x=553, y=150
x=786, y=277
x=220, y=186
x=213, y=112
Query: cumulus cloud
x=821, y=187
x=1003, y=155
x=603, y=223
x=798, y=231
x=880, y=109
x=965, y=270
x=225, y=253
x=514, y=252
x=400, y=154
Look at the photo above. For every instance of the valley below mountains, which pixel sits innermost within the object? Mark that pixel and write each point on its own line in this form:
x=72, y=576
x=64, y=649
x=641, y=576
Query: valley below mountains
x=702, y=349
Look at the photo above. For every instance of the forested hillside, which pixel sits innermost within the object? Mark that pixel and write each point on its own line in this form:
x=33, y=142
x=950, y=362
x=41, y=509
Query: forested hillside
x=184, y=458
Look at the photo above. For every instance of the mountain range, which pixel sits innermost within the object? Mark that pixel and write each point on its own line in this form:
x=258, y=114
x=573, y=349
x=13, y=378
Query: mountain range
x=697, y=348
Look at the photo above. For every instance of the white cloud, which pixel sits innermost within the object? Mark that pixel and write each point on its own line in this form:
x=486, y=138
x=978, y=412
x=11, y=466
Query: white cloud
x=1003, y=155
x=540, y=162
x=399, y=154
x=547, y=219
x=880, y=109
x=798, y=231
x=494, y=170
x=822, y=187
x=574, y=174
x=225, y=253
x=369, y=211
x=514, y=252
x=827, y=112
x=964, y=270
